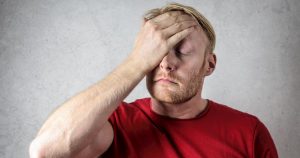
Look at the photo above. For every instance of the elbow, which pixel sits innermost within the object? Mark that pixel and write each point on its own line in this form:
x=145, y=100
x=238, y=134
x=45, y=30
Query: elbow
x=35, y=150
x=40, y=149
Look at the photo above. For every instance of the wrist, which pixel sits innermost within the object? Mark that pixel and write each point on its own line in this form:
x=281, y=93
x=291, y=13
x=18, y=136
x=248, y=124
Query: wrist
x=138, y=65
x=130, y=70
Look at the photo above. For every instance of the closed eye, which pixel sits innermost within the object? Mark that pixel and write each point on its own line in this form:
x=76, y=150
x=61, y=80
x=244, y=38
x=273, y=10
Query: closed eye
x=179, y=53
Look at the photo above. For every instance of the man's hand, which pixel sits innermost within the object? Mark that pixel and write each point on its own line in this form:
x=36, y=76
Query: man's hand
x=159, y=35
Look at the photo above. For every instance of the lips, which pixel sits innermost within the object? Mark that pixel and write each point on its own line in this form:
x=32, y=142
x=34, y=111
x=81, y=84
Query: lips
x=166, y=80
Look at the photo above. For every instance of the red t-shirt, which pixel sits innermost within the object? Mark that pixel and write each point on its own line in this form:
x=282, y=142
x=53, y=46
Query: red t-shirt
x=218, y=132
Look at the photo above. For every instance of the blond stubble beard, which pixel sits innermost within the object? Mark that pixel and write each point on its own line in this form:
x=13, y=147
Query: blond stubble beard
x=178, y=93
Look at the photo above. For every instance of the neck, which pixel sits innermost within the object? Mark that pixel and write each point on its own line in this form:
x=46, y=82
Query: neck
x=185, y=110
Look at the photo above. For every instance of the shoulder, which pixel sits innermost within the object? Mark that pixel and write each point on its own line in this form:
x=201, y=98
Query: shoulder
x=226, y=110
x=134, y=106
x=234, y=117
x=130, y=110
x=247, y=127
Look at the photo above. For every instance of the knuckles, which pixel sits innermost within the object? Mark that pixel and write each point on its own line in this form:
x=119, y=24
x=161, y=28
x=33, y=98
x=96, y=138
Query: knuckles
x=178, y=25
x=168, y=14
x=160, y=36
x=152, y=25
x=154, y=29
x=173, y=14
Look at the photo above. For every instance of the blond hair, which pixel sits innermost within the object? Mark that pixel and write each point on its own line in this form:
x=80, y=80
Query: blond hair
x=204, y=23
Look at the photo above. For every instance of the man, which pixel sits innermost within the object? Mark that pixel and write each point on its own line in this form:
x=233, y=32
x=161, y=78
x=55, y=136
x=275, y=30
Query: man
x=174, y=50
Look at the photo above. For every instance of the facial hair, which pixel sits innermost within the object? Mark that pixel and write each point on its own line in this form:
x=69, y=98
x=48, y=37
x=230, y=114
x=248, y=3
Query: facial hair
x=177, y=93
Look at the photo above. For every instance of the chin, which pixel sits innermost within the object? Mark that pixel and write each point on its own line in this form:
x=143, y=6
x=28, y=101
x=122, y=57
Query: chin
x=163, y=97
x=171, y=98
x=169, y=94
x=173, y=93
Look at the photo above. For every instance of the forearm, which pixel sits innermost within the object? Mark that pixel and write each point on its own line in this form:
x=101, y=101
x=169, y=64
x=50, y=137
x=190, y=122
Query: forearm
x=73, y=125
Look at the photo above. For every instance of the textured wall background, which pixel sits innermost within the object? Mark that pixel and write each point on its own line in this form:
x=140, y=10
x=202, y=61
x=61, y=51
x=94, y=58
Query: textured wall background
x=51, y=49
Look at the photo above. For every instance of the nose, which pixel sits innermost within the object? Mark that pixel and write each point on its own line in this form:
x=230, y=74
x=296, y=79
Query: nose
x=168, y=63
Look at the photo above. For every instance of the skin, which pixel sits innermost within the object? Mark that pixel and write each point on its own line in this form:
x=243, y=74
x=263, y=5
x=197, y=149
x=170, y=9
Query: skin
x=176, y=83
x=79, y=127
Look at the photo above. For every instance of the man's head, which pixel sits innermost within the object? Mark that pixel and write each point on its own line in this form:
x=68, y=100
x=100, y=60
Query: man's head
x=186, y=64
x=204, y=23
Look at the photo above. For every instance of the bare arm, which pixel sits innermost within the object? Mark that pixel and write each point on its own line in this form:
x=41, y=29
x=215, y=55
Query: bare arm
x=80, y=125
x=74, y=125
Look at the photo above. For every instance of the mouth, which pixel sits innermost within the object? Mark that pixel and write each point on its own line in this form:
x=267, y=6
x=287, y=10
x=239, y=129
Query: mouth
x=165, y=81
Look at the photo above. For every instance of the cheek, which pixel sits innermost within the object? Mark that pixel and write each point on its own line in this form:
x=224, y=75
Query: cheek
x=192, y=63
x=152, y=73
x=190, y=69
x=193, y=75
x=149, y=79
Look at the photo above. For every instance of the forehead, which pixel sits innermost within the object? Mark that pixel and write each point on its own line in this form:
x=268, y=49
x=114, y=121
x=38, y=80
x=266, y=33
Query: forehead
x=196, y=40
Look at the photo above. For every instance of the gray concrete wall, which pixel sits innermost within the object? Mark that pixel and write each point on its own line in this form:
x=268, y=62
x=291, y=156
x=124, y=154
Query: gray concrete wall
x=51, y=50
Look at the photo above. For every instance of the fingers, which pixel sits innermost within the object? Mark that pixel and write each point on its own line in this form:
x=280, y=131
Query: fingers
x=169, y=28
x=167, y=15
x=177, y=27
x=176, y=38
x=169, y=18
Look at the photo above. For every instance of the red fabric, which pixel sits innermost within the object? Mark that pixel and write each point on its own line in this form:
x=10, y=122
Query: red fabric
x=219, y=132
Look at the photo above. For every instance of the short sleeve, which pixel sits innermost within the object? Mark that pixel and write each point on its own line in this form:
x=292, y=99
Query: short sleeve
x=115, y=121
x=263, y=144
x=117, y=116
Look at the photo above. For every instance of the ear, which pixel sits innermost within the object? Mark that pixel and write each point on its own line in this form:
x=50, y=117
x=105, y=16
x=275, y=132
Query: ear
x=212, y=61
